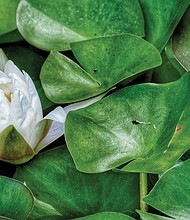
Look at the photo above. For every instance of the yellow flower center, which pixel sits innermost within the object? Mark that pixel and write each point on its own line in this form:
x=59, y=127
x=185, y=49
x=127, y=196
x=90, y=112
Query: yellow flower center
x=8, y=89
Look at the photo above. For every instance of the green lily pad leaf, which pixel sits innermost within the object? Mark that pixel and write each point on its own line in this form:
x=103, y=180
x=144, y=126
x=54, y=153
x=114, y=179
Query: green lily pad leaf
x=5, y=218
x=170, y=194
x=181, y=41
x=128, y=125
x=55, y=24
x=54, y=180
x=149, y=216
x=106, y=215
x=43, y=210
x=171, y=56
x=31, y=62
x=180, y=138
x=166, y=72
x=106, y=62
x=171, y=69
x=15, y=198
x=173, y=152
x=97, y=216
x=161, y=19
x=26, y=59
x=8, y=15
x=52, y=217
x=11, y=37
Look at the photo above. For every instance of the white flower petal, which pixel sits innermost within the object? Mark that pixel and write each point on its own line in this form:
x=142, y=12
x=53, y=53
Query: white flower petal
x=4, y=78
x=22, y=116
x=6, y=83
x=39, y=132
x=83, y=104
x=56, y=130
x=58, y=114
x=19, y=84
x=10, y=67
x=56, y=120
x=4, y=111
x=34, y=97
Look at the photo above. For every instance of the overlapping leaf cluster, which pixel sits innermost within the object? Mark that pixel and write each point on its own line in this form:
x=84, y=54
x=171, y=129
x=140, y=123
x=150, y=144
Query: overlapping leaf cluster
x=75, y=50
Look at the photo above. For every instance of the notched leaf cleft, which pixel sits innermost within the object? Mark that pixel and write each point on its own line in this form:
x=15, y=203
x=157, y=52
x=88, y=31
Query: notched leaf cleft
x=122, y=135
x=178, y=128
x=97, y=73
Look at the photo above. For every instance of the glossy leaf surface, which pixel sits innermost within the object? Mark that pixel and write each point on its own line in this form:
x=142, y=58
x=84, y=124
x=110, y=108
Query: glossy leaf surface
x=149, y=216
x=133, y=124
x=106, y=215
x=15, y=198
x=170, y=194
x=161, y=18
x=179, y=143
x=106, y=62
x=171, y=69
x=8, y=15
x=166, y=72
x=181, y=41
x=44, y=210
x=55, y=24
x=97, y=216
x=172, y=58
x=55, y=181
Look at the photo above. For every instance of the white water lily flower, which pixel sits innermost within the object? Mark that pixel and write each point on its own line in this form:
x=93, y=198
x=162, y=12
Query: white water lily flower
x=23, y=130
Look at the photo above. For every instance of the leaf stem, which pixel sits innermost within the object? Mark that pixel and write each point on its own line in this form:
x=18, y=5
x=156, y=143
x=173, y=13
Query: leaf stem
x=143, y=191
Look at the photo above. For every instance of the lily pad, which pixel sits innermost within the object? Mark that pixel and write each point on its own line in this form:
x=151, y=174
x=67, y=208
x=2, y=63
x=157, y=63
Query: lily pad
x=170, y=194
x=11, y=37
x=8, y=15
x=97, y=216
x=55, y=24
x=170, y=69
x=15, y=198
x=161, y=18
x=26, y=59
x=54, y=180
x=44, y=210
x=150, y=216
x=166, y=72
x=133, y=124
x=178, y=145
x=106, y=215
x=181, y=41
x=106, y=61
